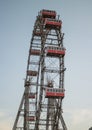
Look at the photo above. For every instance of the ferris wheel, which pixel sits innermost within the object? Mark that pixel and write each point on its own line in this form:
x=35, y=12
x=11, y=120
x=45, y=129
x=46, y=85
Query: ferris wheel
x=41, y=104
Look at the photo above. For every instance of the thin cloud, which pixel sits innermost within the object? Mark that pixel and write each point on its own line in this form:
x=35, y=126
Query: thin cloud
x=5, y=121
x=79, y=119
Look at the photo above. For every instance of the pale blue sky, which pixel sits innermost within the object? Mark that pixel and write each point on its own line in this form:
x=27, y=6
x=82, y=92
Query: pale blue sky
x=17, y=18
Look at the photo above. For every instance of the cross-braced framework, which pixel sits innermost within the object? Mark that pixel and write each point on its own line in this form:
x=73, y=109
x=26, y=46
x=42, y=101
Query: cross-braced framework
x=41, y=104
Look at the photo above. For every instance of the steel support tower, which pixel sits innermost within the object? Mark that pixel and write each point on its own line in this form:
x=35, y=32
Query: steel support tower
x=41, y=104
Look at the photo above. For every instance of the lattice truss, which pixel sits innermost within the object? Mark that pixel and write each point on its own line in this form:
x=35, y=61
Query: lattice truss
x=41, y=104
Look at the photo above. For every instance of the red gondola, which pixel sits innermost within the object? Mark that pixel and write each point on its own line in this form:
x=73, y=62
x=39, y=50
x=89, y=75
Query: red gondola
x=54, y=51
x=37, y=33
x=54, y=93
x=48, y=13
x=31, y=118
x=32, y=95
x=35, y=52
x=31, y=73
x=52, y=23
